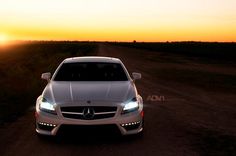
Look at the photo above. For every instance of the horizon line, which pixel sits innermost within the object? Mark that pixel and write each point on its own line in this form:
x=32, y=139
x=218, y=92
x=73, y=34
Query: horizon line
x=134, y=41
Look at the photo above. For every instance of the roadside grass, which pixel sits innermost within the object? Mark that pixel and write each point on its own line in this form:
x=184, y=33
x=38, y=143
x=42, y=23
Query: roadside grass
x=21, y=66
x=209, y=81
x=205, y=52
x=188, y=54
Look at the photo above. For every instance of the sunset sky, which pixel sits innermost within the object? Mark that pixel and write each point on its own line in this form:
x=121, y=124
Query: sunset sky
x=118, y=20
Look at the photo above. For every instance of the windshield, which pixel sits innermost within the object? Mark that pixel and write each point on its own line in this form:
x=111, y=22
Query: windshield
x=91, y=71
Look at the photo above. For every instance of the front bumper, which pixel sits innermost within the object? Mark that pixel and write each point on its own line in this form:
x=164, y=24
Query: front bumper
x=49, y=124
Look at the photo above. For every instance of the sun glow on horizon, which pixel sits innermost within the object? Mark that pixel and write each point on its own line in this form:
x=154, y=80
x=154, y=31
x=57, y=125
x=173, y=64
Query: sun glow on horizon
x=123, y=20
x=3, y=39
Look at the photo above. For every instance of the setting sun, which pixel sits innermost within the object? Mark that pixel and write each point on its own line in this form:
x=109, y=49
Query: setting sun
x=3, y=39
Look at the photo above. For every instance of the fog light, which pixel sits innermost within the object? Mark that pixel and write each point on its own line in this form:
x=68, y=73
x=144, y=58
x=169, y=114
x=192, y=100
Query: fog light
x=47, y=124
x=131, y=125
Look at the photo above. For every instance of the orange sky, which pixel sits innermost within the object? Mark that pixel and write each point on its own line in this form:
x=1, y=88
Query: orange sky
x=118, y=20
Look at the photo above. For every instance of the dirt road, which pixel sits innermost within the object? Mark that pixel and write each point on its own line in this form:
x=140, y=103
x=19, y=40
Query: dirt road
x=179, y=119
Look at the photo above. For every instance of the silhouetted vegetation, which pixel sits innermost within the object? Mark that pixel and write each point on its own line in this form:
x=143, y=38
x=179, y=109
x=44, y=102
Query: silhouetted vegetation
x=21, y=66
x=209, y=50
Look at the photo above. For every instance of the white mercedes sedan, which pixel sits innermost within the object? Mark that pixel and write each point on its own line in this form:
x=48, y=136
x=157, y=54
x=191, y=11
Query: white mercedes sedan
x=91, y=92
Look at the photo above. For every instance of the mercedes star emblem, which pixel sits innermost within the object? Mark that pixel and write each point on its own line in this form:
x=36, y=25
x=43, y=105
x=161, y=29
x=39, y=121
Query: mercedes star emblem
x=88, y=113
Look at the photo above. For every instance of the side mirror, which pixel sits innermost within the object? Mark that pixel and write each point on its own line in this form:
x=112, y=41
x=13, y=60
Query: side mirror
x=46, y=76
x=136, y=76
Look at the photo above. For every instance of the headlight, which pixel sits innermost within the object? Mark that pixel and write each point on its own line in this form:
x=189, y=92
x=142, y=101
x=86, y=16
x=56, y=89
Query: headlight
x=46, y=106
x=131, y=106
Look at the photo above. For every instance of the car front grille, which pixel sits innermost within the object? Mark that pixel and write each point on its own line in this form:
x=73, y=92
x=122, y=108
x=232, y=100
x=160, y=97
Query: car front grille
x=88, y=113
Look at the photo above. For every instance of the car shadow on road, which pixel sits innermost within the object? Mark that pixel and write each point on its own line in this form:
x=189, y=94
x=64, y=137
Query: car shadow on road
x=90, y=138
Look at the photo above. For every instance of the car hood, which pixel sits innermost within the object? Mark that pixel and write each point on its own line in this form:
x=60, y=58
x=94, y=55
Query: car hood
x=74, y=92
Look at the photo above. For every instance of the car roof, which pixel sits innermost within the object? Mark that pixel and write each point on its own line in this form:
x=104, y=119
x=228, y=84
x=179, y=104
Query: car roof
x=92, y=59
